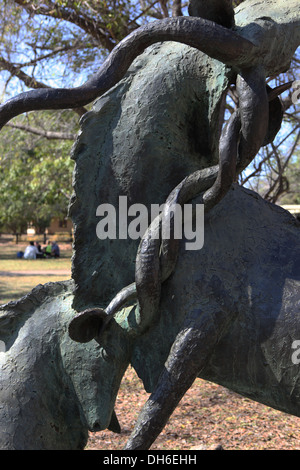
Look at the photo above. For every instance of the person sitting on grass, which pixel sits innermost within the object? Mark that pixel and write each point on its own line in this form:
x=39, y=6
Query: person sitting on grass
x=30, y=251
x=47, y=250
x=39, y=253
x=55, y=250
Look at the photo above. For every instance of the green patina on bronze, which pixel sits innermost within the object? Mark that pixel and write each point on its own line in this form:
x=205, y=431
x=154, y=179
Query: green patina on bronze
x=157, y=125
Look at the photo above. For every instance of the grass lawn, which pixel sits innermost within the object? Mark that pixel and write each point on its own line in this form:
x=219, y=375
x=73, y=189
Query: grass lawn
x=19, y=276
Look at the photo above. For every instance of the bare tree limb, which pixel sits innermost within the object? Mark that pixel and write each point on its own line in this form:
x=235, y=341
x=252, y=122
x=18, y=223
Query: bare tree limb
x=50, y=135
x=53, y=53
x=143, y=12
x=16, y=71
x=89, y=25
x=176, y=8
x=163, y=4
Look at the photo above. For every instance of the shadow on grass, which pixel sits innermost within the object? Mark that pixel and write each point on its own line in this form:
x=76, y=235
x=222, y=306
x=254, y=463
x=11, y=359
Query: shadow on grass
x=12, y=255
x=30, y=273
x=14, y=286
x=7, y=295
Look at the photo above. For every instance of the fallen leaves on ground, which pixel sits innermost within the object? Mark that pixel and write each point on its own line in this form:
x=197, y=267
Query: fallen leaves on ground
x=208, y=415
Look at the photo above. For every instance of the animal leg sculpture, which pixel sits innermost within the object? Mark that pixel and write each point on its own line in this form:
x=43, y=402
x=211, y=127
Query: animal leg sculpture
x=189, y=354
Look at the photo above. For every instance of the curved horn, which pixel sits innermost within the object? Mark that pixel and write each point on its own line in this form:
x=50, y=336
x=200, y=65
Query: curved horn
x=216, y=41
x=125, y=295
x=273, y=93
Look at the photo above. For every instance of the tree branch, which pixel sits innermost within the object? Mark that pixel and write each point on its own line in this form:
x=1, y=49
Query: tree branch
x=89, y=25
x=31, y=82
x=53, y=53
x=16, y=71
x=176, y=8
x=163, y=4
x=50, y=135
x=143, y=12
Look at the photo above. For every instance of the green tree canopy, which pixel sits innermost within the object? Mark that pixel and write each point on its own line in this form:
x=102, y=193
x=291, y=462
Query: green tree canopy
x=53, y=44
x=35, y=183
x=61, y=44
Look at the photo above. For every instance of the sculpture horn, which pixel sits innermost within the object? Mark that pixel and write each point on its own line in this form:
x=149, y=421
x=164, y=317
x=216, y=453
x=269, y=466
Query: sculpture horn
x=216, y=41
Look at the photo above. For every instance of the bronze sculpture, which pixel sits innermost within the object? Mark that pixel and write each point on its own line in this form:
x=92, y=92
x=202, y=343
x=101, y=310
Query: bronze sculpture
x=213, y=310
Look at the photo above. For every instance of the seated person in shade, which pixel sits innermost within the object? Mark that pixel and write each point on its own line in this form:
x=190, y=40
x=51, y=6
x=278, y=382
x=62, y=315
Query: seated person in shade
x=39, y=253
x=47, y=250
x=30, y=251
x=55, y=250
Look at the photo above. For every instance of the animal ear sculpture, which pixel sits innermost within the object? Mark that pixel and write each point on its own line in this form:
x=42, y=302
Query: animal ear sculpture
x=90, y=323
x=219, y=11
x=87, y=325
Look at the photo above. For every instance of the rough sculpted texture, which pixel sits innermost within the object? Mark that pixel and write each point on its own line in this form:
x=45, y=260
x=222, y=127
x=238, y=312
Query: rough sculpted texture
x=228, y=312
x=242, y=312
x=52, y=389
x=173, y=134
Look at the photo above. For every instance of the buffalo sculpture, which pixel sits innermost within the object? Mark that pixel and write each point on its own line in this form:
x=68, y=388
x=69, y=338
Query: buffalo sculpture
x=228, y=312
x=50, y=386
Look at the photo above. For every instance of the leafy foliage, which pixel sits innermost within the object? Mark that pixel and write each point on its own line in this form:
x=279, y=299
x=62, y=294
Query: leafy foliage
x=61, y=44
x=52, y=44
x=35, y=180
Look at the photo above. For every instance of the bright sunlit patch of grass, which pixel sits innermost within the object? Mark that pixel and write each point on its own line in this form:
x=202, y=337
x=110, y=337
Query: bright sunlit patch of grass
x=18, y=276
x=15, y=287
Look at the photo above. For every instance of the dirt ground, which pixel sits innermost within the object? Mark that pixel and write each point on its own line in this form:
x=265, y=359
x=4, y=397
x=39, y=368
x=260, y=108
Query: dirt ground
x=208, y=416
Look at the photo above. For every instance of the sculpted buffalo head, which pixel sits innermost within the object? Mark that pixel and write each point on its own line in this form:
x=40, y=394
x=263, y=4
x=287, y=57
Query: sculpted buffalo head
x=114, y=332
x=97, y=380
x=53, y=389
